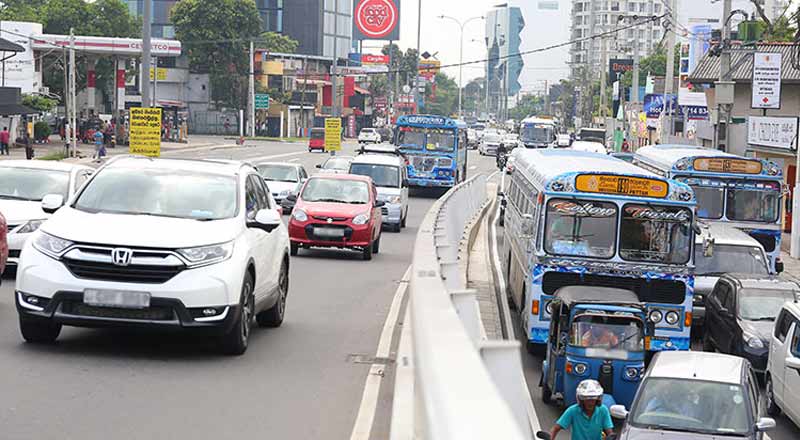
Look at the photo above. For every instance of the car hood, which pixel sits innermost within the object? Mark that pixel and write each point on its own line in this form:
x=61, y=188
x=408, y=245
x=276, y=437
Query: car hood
x=327, y=209
x=20, y=211
x=632, y=433
x=704, y=284
x=138, y=230
x=762, y=329
x=278, y=187
x=385, y=192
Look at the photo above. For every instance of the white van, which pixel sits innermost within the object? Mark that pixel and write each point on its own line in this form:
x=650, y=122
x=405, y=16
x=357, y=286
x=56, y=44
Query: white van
x=389, y=173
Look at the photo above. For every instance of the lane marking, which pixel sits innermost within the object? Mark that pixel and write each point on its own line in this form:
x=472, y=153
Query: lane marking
x=296, y=159
x=372, y=385
x=501, y=279
x=274, y=156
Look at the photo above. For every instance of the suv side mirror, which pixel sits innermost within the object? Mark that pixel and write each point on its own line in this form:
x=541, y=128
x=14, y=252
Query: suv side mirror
x=319, y=165
x=292, y=197
x=618, y=412
x=380, y=203
x=779, y=267
x=52, y=202
x=765, y=424
x=266, y=219
x=793, y=363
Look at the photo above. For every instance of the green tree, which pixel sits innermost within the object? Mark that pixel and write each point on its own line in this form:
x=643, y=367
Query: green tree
x=527, y=105
x=38, y=102
x=445, y=102
x=654, y=64
x=21, y=10
x=216, y=36
x=275, y=42
x=59, y=16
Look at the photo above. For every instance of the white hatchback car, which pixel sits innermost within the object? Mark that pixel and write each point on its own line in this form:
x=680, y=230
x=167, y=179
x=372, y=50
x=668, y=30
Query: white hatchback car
x=369, y=135
x=158, y=243
x=282, y=178
x=23, y=184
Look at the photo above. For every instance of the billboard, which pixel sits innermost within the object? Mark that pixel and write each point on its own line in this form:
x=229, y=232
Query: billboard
x=616, y=67
x=376, y=19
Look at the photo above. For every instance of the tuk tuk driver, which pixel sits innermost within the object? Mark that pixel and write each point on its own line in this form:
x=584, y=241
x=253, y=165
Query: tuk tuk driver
x=588, y=419
x=599, y=336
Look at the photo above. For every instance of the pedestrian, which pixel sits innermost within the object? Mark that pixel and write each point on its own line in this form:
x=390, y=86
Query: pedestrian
x=227, y=125
x=5, y=137
x=26, y=140
x=98, y=145
x=625, y=146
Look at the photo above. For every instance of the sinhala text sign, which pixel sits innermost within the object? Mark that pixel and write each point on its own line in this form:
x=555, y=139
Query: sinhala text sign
x=775, y=132
x=333, y=134
x=145, y=131
x=376, y=19
x=766, y=80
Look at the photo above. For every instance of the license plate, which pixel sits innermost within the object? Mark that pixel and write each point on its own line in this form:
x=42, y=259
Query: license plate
x=329, y=232
x=116, y=298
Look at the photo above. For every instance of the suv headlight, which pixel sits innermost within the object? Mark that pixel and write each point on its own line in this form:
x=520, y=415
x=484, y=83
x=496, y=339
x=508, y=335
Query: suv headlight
x=361, y=219
x=299, y=215
x=51, y=245
x=393, y=199
x=205, y=255
x=753, y=341
x=29, y=227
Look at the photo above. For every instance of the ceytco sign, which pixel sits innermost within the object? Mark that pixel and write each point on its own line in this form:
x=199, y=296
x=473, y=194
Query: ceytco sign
x=376, y=20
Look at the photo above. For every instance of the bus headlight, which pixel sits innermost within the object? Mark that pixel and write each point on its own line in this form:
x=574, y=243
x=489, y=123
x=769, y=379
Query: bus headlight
x=672, y=318
x=656, y=316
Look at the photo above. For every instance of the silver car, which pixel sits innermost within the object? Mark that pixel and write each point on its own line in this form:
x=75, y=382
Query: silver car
x=388, y=171
x=695, y=395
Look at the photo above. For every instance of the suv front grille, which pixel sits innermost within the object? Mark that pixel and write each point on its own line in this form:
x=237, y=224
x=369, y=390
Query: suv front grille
x=145, y=266
x=153, y=313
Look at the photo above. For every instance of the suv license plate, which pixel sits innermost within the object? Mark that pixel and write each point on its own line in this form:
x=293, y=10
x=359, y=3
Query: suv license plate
x=329, y=232
x=116, y=298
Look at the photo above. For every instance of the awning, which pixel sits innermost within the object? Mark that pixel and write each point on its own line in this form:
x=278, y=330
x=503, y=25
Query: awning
x=14, y=109
x=10, y=46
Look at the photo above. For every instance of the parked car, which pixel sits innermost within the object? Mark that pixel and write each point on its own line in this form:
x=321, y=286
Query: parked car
x=563, y=140
x=316, y=140
x=719, y=249
x=369, y=135
x=590, y=146
x=491, y=141
x=158, y=243
x=783, y=366
x=337, y=211
x=3, y=245
x=335, y=165
x=695, y=395
x=741, y=313
x=23, y=185
x=281, y=178
x=389, y=174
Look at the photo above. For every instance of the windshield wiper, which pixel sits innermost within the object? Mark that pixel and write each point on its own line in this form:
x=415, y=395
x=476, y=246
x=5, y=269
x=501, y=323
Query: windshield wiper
x=674, y=428
x=710, y=274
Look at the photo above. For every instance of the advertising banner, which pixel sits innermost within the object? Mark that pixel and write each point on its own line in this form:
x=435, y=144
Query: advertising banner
x=616, y=67
x=376, y=19
x=772, y=131
x=371, y=60
x=333, y=134
x=145, y=131
x=766, y=80
x=429, y=68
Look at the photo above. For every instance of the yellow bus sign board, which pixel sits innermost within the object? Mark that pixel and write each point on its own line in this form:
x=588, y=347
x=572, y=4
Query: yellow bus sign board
x=145, y=131
x=726, y=165
x=333, y=134
x=622, y=185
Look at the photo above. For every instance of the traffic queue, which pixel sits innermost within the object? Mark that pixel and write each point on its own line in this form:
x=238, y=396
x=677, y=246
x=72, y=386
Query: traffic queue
x=654, y=284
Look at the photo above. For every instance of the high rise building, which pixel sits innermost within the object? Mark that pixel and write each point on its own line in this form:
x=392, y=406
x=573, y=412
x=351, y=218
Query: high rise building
x=504, y=26
x=316, y=23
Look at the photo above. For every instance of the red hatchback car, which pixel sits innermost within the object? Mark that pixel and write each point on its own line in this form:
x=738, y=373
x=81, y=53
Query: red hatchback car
x=3, y=244
x=316, y=140
x=339, y=211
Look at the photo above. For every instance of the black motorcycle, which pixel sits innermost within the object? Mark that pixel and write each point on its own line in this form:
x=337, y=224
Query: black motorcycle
x=502, y=159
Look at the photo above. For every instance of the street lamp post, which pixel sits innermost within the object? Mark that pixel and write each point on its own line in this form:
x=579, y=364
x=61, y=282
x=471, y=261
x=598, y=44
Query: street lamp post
x=460, y=53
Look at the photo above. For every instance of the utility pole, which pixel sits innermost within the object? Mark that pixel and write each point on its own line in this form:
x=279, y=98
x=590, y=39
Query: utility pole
x=635, y=94
x=73, y=107
x=416, y=68
x=147, y=14
x=670, y=74
x=303, y=96
x=724, y=76
x=603, y=64
x=251, y=94
x=546, y=98
x=335, y=67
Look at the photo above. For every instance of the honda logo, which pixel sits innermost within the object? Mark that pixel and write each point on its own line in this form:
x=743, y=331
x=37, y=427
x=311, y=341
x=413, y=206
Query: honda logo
x=121, y=256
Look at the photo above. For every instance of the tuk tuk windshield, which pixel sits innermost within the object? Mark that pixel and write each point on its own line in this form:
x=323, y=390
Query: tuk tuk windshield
x=607, y=333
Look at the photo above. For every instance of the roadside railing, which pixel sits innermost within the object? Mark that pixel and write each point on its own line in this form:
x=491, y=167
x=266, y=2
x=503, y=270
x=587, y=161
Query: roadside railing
x=450, y=382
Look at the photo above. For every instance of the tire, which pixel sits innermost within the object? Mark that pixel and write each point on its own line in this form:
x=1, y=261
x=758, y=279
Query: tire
x=234, y=342
x=376, y=245
x=403, y=219
x=273, y=317
x=707, y=344
x=397, y=227
x=39, y=331
x=547, y=393
x=366, y=253
x=769, y=399
x=294, y=248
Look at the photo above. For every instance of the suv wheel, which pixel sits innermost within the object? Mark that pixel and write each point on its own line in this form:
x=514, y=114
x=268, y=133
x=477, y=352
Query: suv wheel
x=366, y=253
x=376, y=245
x=403, y=219
x=39, y=331
x=274, y=316
x=235, y=341
x=772, y=407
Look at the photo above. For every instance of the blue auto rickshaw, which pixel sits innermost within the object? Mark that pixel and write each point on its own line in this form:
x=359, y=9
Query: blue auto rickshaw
x=596, y=333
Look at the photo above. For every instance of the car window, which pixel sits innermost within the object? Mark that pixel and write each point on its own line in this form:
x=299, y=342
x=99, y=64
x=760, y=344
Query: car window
x=727, y=298
x=719, y=293
x=251, y=198
x=783, y=324
x=81, y=178
x=752, y=392
x=261, y=192
x=795, y=347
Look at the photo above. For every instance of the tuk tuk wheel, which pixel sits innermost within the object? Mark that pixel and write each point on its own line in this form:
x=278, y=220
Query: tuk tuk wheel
x=547, y=393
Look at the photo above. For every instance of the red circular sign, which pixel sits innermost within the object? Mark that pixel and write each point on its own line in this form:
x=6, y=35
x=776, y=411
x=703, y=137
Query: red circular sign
x=376, y=18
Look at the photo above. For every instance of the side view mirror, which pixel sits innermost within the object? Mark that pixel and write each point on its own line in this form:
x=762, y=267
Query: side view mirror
x=779, y=267
x=619, y=412
x=527, y=224
x=319, y=165
x=765, y=424
x=292, y=197
x=52, y=202
x=266, y=219
x=380, y=203
x=793, y=363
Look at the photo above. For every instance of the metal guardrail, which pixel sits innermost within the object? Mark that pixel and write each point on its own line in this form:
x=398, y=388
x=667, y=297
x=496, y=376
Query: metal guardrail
x=451, y=383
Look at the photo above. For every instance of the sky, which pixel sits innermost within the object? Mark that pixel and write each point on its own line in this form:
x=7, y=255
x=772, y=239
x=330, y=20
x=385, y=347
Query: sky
x=542, y=28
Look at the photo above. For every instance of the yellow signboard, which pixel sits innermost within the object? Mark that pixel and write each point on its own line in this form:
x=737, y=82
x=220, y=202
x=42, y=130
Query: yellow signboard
x=145, y=131
x=162, y=74
x=333, y=134
x=725, y=165
x=622, y=185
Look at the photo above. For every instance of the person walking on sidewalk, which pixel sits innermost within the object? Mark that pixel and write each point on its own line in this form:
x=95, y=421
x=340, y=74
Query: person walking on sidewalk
x=5, y=137
x=26, y=141
x=98, y=145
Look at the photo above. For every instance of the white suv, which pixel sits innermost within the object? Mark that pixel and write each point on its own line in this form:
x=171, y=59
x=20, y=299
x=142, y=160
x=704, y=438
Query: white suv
x=158, y=243
x=783, y=366
x=369, y=135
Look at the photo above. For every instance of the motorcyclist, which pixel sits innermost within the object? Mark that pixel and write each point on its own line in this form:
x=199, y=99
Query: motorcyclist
x=502, y=152
x=588, y=419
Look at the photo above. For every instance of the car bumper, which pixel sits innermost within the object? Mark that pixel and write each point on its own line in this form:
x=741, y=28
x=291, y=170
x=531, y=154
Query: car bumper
x=354, y=236
x=189, y=291
x=15, y=244
x=392, y=213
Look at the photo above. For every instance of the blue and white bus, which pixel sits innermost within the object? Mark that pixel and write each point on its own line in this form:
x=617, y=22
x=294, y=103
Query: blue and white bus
x=742, y=192
x=537, y=132
x=435, y=148
x=580, y=218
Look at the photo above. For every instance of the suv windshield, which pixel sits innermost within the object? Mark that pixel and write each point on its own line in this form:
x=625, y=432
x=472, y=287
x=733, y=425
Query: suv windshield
x=656, y=234
x=278, y=173
x=160, y=192
x=762, y=304
x=691, y=405
x=32, y=184
x=730, y=258
x=336, y=191
x=382, y=175
x=580, y=228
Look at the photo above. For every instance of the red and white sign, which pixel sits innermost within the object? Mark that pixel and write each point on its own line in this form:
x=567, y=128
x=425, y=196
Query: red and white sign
x=767, y=80
x=376, y=20
x=374, y=59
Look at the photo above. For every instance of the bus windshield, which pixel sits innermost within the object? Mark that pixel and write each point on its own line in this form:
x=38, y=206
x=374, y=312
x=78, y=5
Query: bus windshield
x=753, y=205
x=710, y=201
x=655, y=234
x=538, y=133
x=431, y=139
x=581, y=228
